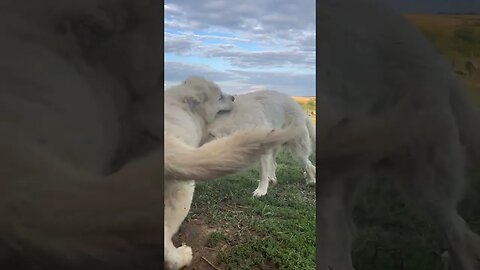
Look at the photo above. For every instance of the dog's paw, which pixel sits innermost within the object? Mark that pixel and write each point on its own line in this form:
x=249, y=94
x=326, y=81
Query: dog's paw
x=473, y=263
x=259, y=192
x=311, y=182
x=446, y=261
x=185, y=253
x=272, y=179
x=183, y=256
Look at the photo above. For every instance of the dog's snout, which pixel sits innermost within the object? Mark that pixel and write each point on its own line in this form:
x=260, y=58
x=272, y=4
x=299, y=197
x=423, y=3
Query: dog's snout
x=233, y=98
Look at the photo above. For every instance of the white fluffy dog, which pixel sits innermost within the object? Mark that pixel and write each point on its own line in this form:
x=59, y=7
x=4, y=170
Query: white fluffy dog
x=269, y=109
x=189, y=107
x=389, y=104
x=69, y=72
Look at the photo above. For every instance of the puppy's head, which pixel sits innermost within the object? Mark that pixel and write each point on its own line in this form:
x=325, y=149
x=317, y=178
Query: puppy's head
x=205, y=98
x=121, y=37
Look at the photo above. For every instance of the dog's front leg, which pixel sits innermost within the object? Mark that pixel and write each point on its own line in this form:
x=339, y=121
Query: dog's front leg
x=178, y=198
x=335, y=224
x=266, y=164
x=436, y=184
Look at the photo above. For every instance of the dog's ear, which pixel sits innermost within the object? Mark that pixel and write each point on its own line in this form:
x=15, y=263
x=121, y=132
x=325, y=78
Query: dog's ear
x=196, y=82
x=86, y=30
x=194, y=100
x=90, y=27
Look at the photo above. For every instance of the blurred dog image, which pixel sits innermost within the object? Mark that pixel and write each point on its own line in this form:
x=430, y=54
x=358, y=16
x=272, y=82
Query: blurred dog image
x=390, y=106
x=69, y=72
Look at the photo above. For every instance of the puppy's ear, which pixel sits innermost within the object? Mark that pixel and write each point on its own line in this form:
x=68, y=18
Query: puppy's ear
x=90, y=27
x=194, y=100
x=86, y=30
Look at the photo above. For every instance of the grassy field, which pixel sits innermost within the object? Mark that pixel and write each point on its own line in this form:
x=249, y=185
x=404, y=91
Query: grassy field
x=230, y=229
x=233, y=230
x=391, y=235
x=457, y=39
x=452, y=35
x=308, y=104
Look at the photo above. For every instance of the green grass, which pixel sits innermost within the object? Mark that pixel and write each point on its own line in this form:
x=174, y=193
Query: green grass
x=272, y=232
x=309, y=106
x=278, y=231
x=450, y=34
x=392, y=235
x=215, y=238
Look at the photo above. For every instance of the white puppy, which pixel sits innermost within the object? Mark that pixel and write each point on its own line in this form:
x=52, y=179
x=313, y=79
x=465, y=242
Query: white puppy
x=189, y=107
x=269, y=109
x=69, y=72
x=391, y=105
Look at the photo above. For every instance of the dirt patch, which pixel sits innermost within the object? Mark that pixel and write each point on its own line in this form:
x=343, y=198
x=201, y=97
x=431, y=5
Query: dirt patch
x=195, y=233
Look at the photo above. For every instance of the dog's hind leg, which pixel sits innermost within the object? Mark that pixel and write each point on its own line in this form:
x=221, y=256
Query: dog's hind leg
x=266, y=166
x=273, y=176
x=437, y=186
x=301, y=149
x=335, y=228
x=310, y=171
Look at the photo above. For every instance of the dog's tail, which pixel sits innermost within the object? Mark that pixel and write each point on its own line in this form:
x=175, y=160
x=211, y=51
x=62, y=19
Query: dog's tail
x=468, y=121
x=374, y=136
x=222, y=156
x=384, y=134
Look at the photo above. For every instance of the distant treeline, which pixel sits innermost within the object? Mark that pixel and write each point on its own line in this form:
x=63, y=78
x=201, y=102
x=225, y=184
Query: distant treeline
x=458, y=13
x=464, y=40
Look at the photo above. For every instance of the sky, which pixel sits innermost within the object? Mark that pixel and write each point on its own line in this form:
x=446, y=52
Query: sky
x=249, y=45
x=242, y=46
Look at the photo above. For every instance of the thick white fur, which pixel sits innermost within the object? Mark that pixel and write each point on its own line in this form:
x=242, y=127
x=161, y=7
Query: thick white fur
x=221, y=156
x=269, y=109
x=389, y=104
x=67, y=73
x=189, y=107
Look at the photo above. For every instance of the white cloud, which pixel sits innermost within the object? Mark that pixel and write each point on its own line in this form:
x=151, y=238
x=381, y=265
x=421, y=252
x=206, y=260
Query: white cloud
x=171, y=9
x=240, y=81
x=261, y=35
x=300, y=55
x=270, y=15
x=262, y=59
x=177, y=72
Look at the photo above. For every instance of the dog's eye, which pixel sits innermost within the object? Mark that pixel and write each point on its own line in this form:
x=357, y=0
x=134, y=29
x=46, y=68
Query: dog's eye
x=221, y=97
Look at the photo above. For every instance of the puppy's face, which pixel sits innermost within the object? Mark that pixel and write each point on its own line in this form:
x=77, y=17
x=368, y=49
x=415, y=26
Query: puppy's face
x=122, y=37
x=206, y=98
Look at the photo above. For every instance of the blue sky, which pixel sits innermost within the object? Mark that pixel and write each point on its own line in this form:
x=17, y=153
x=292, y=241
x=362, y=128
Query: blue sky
x=256, y=44
x=242, y=45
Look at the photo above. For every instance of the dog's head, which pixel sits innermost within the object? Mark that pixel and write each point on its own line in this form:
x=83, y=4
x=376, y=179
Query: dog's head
x=205, y=98
x=121, y=37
